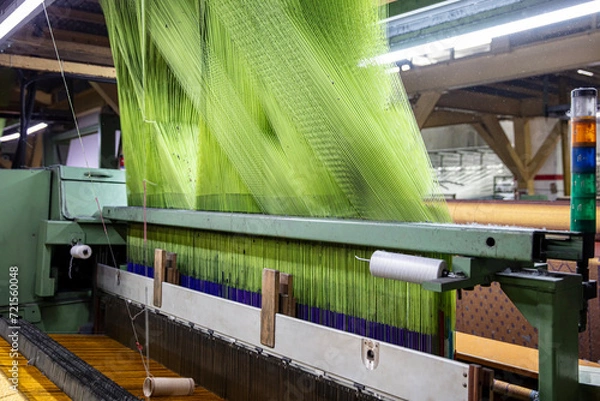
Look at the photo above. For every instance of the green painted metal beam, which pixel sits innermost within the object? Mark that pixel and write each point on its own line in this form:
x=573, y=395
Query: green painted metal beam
x=506, y=243
x=65, y=232
x=551, y=304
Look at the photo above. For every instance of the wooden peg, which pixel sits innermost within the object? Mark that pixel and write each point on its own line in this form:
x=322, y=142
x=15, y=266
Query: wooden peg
x=287, y=304
x=270, y=306
x=160, y=262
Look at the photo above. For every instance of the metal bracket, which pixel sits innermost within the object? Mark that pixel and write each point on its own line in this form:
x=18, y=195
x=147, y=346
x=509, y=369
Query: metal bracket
x=470, y=272
x=370, y=353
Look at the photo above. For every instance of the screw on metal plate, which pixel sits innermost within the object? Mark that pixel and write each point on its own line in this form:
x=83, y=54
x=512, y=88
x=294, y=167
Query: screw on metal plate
x=370, y=353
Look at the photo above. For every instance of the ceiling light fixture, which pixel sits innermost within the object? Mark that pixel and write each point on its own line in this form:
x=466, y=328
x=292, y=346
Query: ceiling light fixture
x=586, y=73
x=22, y=11
x=30, y=130
x=486, y=35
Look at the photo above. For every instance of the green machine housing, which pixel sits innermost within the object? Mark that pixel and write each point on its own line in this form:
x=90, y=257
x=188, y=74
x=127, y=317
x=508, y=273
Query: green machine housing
x=43, y=214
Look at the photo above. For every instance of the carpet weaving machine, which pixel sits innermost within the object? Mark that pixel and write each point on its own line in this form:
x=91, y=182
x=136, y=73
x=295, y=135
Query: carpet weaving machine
x=284, y=235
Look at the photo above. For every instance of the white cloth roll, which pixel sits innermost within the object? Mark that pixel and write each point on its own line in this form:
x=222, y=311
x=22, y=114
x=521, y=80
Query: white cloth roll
x=161, y=386
x=413, y=269
x=81, y=251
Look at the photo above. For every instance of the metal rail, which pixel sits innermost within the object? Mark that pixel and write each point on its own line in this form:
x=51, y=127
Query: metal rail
x=493, y=242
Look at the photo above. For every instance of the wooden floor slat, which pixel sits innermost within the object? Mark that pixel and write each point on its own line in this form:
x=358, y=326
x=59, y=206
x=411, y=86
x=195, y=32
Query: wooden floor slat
x=122, y=365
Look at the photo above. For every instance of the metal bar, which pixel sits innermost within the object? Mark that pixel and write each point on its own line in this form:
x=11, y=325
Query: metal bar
x=507, y=243
x=91, y=233
x=331, y=352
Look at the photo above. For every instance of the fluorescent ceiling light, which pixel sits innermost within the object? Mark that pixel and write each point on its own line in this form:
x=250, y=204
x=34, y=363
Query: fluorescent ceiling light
x=30, y=130
x=586, y=73
x=486, y=35
x=18, y=15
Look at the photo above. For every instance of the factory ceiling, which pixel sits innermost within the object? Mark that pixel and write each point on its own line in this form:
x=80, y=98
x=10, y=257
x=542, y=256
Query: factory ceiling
x=521, y=75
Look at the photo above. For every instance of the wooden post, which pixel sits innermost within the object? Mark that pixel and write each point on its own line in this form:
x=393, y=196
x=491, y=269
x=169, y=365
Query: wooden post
x=160, y=261
x=270, y=306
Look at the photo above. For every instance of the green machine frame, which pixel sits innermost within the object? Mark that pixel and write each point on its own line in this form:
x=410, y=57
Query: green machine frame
x=42, y=213
x=512, y=257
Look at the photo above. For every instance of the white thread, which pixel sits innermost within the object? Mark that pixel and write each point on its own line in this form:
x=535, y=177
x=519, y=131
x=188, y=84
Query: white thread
x=409, y=268
x=81, y=251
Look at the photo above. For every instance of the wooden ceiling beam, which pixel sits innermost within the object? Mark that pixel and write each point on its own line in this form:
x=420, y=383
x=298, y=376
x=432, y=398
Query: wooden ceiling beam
x=519, y=90
x=42, y=47
x=551, y=56
x=49, y=65
x=523, y=150
x=424, y=106
x=108, y=92
x=444, y=118
x=77, y=37
x=480, y=102
x=77, y=15
x=492, y=133
x=83, y=102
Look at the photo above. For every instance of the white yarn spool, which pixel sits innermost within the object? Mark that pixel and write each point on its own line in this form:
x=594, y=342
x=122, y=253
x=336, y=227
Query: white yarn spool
x=413, y=269
x=160, y=386
x=81, y=251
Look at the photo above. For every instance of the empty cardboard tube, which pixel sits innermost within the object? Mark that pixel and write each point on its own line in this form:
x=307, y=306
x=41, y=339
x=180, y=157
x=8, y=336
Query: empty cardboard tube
x=161, y=386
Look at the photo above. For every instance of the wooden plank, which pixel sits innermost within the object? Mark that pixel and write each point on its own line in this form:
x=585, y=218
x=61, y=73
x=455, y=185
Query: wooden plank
x=160, y=262
x=479, y=102
x=443, y=118
x=28, y=45
x=424, y=106
x=51, y=65
x=474, y=388
x=108, y=92
x=487, y=384
x=77, y=15
x=78, y=37
x=270, y=306
x=171, y=266
x=500, y=355
x=287, y=304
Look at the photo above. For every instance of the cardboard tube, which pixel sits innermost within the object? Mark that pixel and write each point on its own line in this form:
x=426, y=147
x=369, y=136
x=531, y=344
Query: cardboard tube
x=161, y=386
x=551, y=216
